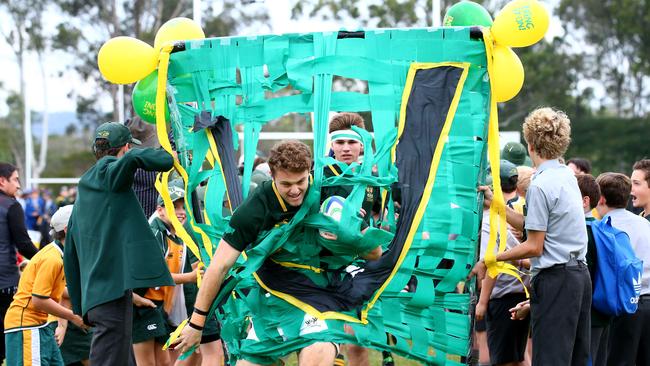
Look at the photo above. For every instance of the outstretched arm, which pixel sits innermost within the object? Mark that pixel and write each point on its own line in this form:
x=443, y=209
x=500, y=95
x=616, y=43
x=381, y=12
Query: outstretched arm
x=120, y=172
x=47, y=305
x=532, y=247
x=224, y=258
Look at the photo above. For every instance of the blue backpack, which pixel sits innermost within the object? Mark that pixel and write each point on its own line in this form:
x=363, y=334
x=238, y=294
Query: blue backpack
x=617, y=282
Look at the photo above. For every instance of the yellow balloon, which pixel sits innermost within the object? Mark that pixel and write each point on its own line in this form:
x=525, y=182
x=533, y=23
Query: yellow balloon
x=520, y=23
x=177, y=29
x=125, y=60
x=508, y=73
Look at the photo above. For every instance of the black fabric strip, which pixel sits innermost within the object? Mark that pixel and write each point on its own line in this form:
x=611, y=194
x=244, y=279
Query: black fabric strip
x=222, y=132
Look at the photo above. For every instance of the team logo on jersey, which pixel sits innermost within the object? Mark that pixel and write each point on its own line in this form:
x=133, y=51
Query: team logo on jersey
x=369, y=194
x=152, y=327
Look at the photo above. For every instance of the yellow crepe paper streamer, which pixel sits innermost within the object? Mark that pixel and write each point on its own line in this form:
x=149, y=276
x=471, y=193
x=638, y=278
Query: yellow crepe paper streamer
x=175, y=334
x=161, y=130
x=498, y=206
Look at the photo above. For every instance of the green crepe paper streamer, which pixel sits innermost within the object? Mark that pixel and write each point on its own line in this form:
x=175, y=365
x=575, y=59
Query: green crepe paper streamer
x=203, y=77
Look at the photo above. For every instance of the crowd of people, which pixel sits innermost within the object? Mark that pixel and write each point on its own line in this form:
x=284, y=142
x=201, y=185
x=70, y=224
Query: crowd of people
x=39, y=205
x=113, y=276
x=549, y=210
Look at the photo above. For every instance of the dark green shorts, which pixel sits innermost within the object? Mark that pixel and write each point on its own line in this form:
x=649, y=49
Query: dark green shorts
x=76, y=344
x=149, y=323
x=211, y=326
x=32, y=347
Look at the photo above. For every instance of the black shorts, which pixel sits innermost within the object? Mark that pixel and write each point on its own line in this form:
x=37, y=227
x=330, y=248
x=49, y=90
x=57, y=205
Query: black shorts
x=506, y=337
x=209, y=338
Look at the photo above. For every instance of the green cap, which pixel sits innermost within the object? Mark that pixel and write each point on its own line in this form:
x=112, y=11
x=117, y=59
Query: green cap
x=507, y=169
x=117, y=134
x=176, y=191
x=528, y=162
x=515, y=153
x=488, y=181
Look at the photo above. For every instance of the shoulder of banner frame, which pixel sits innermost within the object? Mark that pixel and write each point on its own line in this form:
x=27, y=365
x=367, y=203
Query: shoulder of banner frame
x=428, y=94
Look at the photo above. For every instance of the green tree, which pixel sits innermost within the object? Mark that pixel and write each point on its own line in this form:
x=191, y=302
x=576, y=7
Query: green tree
x=616, y=34
x=102, y=20
x=551, y=73
x=12, y=144
x=23, y=33
x=610, y=143
x=387, y=14
x=551, y=78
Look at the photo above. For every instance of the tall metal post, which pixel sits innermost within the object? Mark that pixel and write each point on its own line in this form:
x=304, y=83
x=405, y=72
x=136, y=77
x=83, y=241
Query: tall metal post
x=435, y=13
x=196, y=12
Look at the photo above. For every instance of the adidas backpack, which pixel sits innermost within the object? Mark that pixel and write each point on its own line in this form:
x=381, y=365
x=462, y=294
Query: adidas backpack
x=617, y=282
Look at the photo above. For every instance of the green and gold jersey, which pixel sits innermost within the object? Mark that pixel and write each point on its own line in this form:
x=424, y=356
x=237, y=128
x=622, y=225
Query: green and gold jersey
x=43, y=277
x=263, y=210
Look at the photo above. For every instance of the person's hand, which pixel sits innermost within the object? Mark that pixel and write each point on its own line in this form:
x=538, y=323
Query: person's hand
x=362, y=212
x=481, y=309
x=188, y=339
x=78, y=321
x=487, y=195
x=479, y=271
x=520, y=311
x=140, y=302
x=59, y=334
x=519, y=235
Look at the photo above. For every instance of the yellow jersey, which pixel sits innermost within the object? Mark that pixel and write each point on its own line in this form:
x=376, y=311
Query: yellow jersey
x=43, y=277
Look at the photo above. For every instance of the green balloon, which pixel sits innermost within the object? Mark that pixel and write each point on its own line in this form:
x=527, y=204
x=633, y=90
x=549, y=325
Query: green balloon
x=467, y=13
x=144, y=98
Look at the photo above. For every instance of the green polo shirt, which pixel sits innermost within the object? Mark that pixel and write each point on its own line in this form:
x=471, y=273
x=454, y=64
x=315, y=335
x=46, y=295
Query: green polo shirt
x=263, y=210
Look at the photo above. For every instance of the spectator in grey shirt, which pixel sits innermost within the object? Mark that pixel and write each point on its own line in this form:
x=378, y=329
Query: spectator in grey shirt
x=556, y=244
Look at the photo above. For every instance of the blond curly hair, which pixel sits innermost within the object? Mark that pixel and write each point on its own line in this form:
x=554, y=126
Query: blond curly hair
x=548, y=132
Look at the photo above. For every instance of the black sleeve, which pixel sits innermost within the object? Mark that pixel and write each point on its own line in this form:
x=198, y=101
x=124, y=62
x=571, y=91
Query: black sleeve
x=18, y=231
x=246, y=222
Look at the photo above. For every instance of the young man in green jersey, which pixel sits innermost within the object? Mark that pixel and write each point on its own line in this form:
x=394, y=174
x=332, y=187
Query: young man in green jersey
x=347, y=148
x=272, y=204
